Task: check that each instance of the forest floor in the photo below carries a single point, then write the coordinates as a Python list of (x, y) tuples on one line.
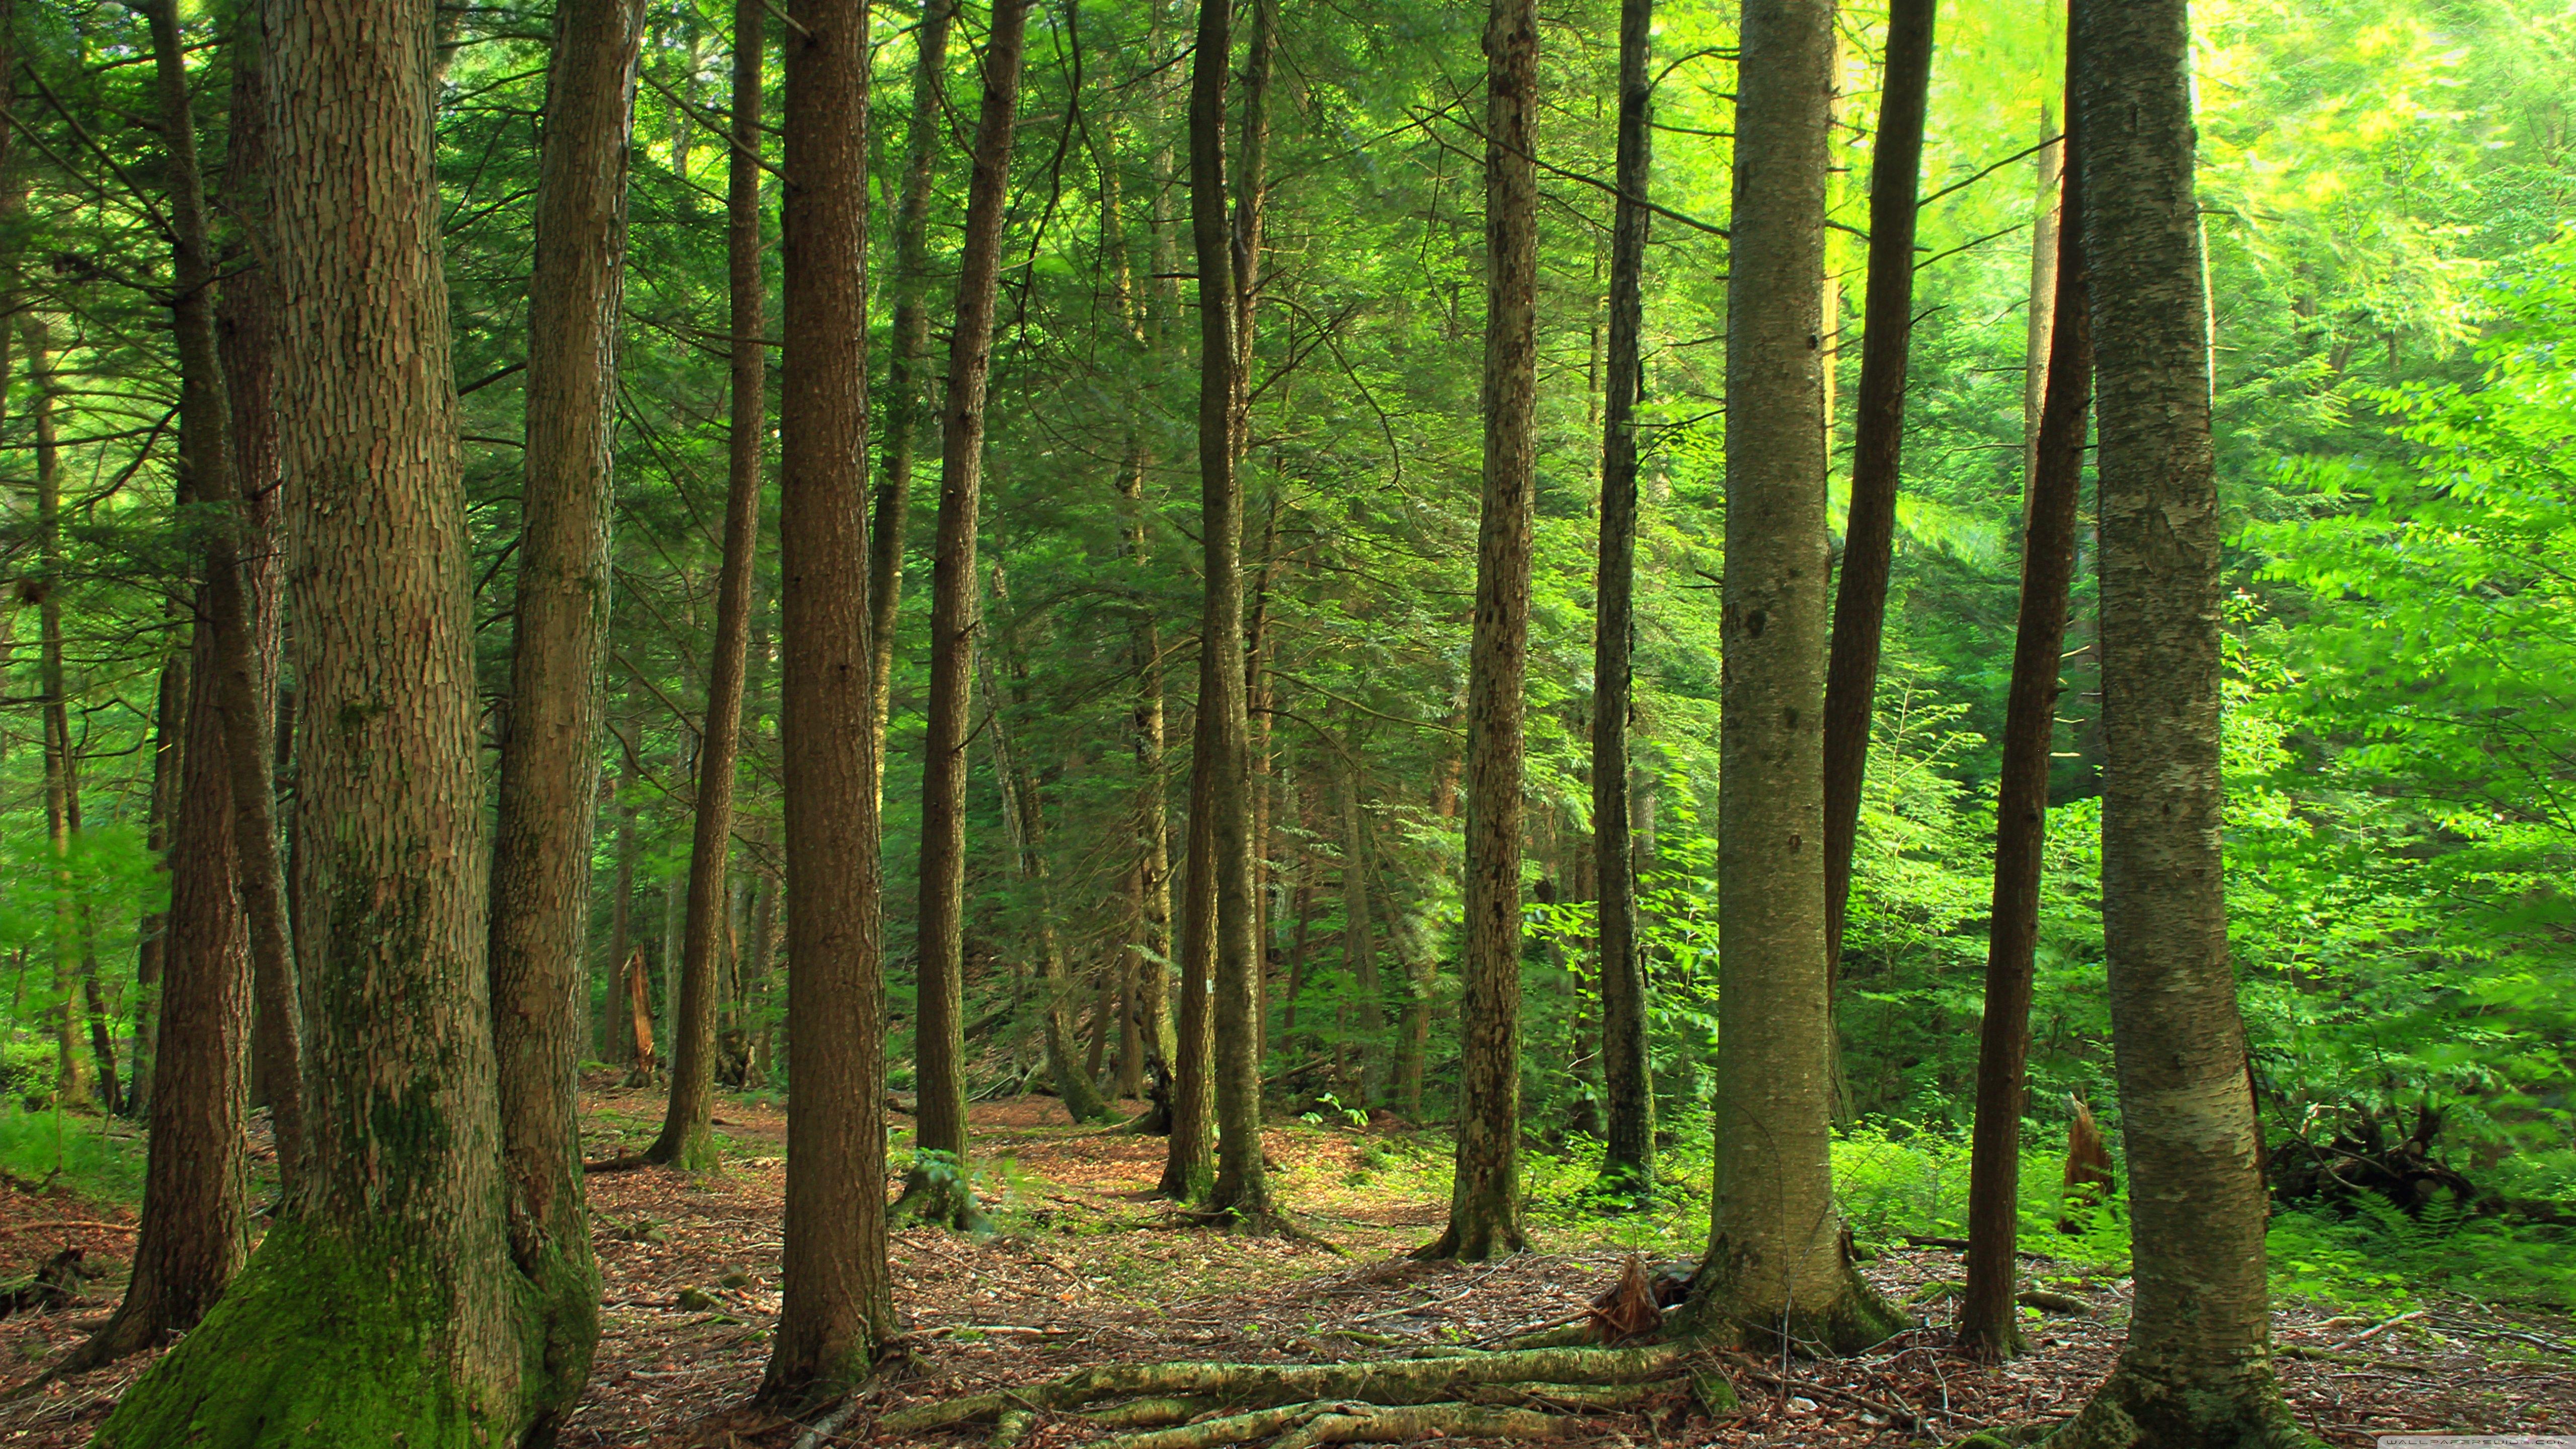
[(1087, 1268)]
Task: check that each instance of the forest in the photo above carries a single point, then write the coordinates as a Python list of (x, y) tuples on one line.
[(1175, 723)]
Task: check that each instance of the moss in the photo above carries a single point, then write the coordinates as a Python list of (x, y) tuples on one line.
[(563, 1285), (2218, 1410), (323, 1342), (1856, 1319)]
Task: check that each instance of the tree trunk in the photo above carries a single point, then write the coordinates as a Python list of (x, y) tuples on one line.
[(1869, 535), (1628, 1147), (1989, 1318), (2197, 1367), (837, 1306), (940, 1031), (1220, 782), (618, 1041), (1189, 1159), (2039, 336), (549, 772), (71, 1071), (907, 377), (687, 1138), (152, 951), (405, 1186), (1484, 1202), (1776, 1261), (247, 345), (1357, 948)]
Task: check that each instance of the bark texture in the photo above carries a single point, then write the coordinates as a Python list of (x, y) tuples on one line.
[(1628, 1142), (687, 1137), (383, 1307), (2196, 1372), (1484, 1202), (1776, 1262), (837, 1306), (1989, 1318)]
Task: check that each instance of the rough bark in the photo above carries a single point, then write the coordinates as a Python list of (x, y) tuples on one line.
[(1989, 1320), (1484, 1203), (383, 1307), (1220, 788), (907, 378), (2197, 1367), (1189, 1158), (837, 1304), (687, 1137), (953, 623), (1869, 534), (2040, 330), (1628, 1144), (1776, 1261)]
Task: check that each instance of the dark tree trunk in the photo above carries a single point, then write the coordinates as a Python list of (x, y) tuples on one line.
[(1484, 1202), (71, 1071), (1989, 1319), (1628, 1147), (152, 952), (941, 1073), (1776, 1259), (687, 1138), (405, 1183), (907, 376), (1189, 1159), (837, 1306), (1358, 950), (617, 1038), (2197, 1368), (1869, 535)]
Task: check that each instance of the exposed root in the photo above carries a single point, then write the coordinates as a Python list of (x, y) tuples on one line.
[(1013, 1426), (1256, 1223), (1150, 1413), (1396, 1383), (1373, 1425)]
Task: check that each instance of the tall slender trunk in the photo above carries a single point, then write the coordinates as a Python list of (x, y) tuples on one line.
[(405, 1183), (2039, 335), (1989, 1319), (838, 1306), (687, 1137), (1869, 535), (247, 343), (1484, 1202), (1189, 1159), (953, 623), (152, 944), (1221, 773), (102, 1014), (195, 1232), (1628, 1145), (2197, 1367), (1776, 1260), (615, 1016), (907, 377), (1358, 950), (71, 1071)]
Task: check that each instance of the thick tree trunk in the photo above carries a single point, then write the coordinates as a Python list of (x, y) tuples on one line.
[(1989, 1318), (382, 1306), (1484, 1202), (687, 1137), (837, 1306), (2197, 1368), (907, 378), (1776, 1259), (549, 773), (941, 1075), (247, 343), (1220, 788), (1869, 535), (1628, 1146)]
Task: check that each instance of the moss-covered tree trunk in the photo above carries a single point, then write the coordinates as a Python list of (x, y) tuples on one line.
[(1776, 1261), (2196, 1372), (1628, 1143), (837, 1306), (687, 1138), (382, 1307), (1989, 1316), (1484, 1202)]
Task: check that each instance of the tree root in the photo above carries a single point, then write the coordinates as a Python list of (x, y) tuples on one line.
[(1534, 1375), (1424, 1421)]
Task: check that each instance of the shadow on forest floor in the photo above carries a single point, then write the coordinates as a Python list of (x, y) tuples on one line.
[(1086, 1268)]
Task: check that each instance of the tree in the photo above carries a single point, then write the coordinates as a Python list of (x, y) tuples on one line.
[(1484, 1202), (1628, 1140), (2197, 1366), (1776, 1259), (687, 1139), (384, 1304), (1869, 535), (837, 1305), (1989, 1319)]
